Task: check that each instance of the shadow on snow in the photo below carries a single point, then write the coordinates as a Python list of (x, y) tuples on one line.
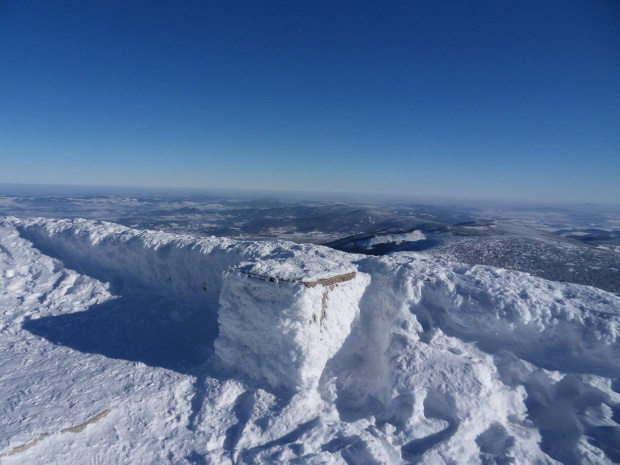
[(136, 327)]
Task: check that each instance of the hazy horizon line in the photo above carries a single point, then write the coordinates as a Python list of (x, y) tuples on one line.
[(51, 189)]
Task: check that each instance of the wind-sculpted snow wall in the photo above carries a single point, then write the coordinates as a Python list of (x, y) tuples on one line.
[(283, 309), (181, 266)]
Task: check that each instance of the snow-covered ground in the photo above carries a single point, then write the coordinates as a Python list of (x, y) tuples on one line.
[(120, 346), (412, 236)]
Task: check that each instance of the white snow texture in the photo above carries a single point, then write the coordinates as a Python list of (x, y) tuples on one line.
[(127, 346)]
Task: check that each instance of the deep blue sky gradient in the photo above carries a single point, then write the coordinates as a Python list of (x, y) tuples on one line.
[(497, 99)]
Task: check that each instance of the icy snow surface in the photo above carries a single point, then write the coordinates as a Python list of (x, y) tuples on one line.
[(127, 346)]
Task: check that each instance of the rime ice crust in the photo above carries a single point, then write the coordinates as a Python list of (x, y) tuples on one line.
[(307, 264), (284, 332)]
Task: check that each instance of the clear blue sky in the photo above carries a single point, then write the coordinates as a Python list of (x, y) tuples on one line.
[(499, 99)]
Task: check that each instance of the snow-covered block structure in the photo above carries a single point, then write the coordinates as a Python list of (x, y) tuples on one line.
[(283, 309), (281, 320)]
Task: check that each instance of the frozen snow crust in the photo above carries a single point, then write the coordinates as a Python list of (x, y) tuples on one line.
[(408, 359)]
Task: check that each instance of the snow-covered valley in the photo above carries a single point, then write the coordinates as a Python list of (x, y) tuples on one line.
[(132, 346)]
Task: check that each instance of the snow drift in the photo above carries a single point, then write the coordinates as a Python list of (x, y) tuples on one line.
[(321, 356)]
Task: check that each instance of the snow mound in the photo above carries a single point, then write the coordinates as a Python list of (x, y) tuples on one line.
[(558, 326)]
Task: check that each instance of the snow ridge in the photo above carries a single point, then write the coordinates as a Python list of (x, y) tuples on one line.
[(190, 268)]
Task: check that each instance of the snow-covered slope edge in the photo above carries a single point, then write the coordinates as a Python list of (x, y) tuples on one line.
[(445, 363)]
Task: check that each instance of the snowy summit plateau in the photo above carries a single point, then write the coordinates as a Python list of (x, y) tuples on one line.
[(125, 345)]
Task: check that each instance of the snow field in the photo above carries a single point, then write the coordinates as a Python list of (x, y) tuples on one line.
[(414, 363), (423, 360)]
